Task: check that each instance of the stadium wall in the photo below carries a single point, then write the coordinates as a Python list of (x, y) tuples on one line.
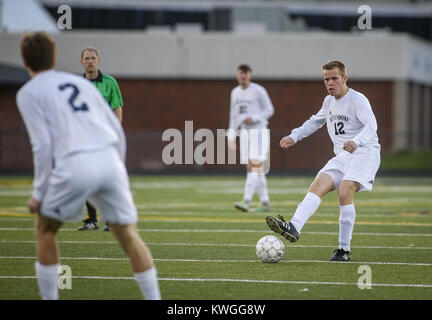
[(152, 106), (169, 79)]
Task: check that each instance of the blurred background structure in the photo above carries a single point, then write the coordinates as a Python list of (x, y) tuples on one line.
[(175, 61)]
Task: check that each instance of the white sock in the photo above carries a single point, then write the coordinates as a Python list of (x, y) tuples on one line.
[(262, 189), (305, 210), (47, 277), (148, 284), (250, 186), (346, 226)]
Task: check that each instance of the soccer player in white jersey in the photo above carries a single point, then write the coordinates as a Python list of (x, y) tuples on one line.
[(250, 109), (79, 151), (352, 127)]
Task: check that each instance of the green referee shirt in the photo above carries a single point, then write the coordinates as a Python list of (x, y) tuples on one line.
[(109, 89)]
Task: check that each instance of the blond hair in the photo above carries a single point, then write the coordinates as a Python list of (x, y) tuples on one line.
[(335, 64)]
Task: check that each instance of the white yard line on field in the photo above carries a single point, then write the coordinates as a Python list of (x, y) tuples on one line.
[(152, 215), (247, 231), (232, 261), (217, 244), (229, 189)]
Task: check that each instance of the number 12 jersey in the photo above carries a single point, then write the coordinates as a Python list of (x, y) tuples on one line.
[(349, 118)]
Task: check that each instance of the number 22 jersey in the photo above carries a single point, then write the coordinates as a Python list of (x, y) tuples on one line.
[(252, 102)]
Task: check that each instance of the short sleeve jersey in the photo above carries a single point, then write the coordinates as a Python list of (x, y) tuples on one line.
[(109, 88)]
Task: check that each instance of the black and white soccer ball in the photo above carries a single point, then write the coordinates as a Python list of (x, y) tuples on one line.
[(270, 249)]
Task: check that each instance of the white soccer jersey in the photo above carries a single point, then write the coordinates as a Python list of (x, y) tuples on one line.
[(348, 118), (252, 102), (65, 114)]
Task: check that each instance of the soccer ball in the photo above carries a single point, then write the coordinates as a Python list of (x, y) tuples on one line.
[(270, 249)]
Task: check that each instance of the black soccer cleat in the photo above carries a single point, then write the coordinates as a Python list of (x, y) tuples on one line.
[(286, 229), (89, 225), (341, 255)]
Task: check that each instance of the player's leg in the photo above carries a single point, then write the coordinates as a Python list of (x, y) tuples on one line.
[(63, 201), (322, 184), (347, 190), (47, 253), (361, 169), (251, 181), (327, 179), (141, 259), (249, 190), (260, 159), (254, 150), (261, 184), (115, 203), (91, 212)]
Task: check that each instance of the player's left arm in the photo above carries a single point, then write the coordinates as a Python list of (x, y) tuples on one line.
[(40, 140), (267, 109), (233, 124), (116, 125), (366, 116)]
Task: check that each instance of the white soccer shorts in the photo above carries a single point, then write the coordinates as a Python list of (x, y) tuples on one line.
[(98, 176), (360, 166), (254, 145)]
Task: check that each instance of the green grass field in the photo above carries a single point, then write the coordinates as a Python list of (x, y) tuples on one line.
[(204, 249)]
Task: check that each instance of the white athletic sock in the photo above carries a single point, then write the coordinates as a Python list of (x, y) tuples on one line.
[(148, 284), (262, 189), (47, 277), (250, 186), (346, 226), (305, 210)]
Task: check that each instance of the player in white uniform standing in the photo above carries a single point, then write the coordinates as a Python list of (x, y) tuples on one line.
[(250, 109), (79, 151), (352, 127)]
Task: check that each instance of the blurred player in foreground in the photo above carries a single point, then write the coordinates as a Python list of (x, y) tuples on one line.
[(79, 151), (352, 127), (110, 90), (250, 109)]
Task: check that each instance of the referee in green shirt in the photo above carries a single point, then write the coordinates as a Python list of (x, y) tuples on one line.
[(110, 90)]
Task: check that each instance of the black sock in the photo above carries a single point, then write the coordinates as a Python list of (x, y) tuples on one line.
[(91, 212)]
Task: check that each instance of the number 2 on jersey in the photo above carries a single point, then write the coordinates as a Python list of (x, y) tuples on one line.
[(74, 95), (339, 128)]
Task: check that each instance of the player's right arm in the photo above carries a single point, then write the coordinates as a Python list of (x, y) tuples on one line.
[(40, 139), (306, 129)]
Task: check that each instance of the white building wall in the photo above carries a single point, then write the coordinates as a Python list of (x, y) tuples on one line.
[(216, 55)]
